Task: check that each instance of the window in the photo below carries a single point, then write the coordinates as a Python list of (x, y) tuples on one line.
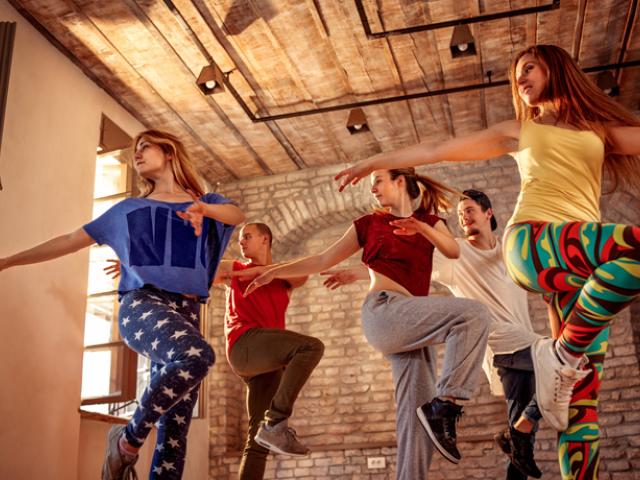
[(110, 368), (7, 37)]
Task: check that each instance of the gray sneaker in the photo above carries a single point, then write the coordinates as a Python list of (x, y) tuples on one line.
[(279, 438), (115, 466)]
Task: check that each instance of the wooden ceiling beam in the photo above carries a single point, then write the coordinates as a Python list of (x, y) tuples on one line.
[(143, 16)]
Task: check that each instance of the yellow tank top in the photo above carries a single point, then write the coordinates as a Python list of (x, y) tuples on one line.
[(560, 174)]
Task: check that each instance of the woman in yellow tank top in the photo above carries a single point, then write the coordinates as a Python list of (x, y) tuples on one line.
[(566, 132)]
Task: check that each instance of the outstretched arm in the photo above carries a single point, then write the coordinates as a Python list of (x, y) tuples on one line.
[(223, 273), (225, 213), (626, 140), (253, 272), (54, 248), (346, 246), (297, 282), (439, 235), (492, 142), (337, 277)]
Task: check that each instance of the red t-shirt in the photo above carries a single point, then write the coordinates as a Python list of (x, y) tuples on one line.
[(405, 259), (264, 308)]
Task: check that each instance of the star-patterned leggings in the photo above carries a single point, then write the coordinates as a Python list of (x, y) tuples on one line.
[(164, 327)]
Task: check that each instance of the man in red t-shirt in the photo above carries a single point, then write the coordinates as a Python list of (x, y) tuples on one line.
[(273, 362)]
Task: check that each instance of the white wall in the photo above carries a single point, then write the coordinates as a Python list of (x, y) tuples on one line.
[(47, 166)]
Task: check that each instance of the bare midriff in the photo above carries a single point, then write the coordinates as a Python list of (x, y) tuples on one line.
[(382, 282)]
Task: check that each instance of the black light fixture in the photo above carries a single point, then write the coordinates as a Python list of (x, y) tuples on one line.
[(357, 121), (607, 83), (462, 42), (211, 80)]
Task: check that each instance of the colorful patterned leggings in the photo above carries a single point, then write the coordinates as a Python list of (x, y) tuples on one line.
[(587, 272)]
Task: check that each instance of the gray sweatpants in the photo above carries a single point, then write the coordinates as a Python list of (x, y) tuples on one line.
[(404, 329)]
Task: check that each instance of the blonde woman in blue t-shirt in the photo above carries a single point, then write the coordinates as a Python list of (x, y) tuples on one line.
[(565, 133), (169, 242)]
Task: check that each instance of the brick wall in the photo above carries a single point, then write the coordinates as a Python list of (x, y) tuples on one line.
[(346, 411)]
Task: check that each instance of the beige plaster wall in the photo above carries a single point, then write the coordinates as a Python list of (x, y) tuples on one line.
[(47, 166)]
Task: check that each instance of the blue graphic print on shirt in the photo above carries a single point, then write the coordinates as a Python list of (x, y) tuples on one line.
[(156, 247)]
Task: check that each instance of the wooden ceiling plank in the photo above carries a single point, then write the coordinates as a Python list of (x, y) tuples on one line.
[(138, 43), (310, 140), (633, 47), (629, 82), (258, 57), (318, 67), (257, 137), (196, 21), (281, 128), (369, 67), (557, 27), (142, 15), (604, 26), (119, 78), (464, 115)]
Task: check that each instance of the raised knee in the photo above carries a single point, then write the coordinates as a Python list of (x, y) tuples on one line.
[(479, 314), (200, 359), (317, 346)]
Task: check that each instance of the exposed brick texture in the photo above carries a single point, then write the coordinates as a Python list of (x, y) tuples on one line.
[(346, 411)]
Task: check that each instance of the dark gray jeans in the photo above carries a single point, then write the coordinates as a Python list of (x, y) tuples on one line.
[(519, 383)]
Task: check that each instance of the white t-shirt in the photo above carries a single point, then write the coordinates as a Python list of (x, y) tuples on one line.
[(481, 275)]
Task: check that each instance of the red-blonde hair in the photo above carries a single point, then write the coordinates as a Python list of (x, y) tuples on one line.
[(580, 103), (183, 170)]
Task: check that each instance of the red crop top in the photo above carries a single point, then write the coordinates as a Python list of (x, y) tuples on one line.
[(405, 259)]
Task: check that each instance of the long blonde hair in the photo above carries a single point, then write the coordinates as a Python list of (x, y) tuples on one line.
[(434, 194), (183, 170), (580, 103)]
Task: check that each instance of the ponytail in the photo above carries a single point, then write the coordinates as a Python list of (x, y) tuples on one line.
[(435, 195)]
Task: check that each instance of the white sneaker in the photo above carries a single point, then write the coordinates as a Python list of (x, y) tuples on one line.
[(554, 383)]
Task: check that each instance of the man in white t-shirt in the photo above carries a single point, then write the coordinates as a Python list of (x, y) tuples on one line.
[(479, 273)]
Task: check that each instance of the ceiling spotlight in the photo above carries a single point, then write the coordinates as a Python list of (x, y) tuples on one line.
[(211, 80), (462, 42), (357, 121), (607, 83)]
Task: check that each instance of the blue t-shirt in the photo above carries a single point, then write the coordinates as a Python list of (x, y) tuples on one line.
[(157, 247)]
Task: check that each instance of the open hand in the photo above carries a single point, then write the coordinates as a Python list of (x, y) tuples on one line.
[(407, 226), (194, 213), (353, 174), (259, 281), (339, 277), (112, 270)]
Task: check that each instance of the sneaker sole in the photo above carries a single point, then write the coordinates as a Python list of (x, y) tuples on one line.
[(432, 437), (554, 422), (277, 450)]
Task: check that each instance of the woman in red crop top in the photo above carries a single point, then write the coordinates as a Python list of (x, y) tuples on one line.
[(401, 320), (566, 132)]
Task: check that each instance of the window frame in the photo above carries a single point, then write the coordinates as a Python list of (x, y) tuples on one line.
[(127, 361)]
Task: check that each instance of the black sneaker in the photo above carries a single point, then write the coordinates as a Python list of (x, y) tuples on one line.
[(518, 446), (502, 440), (439, 419)]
